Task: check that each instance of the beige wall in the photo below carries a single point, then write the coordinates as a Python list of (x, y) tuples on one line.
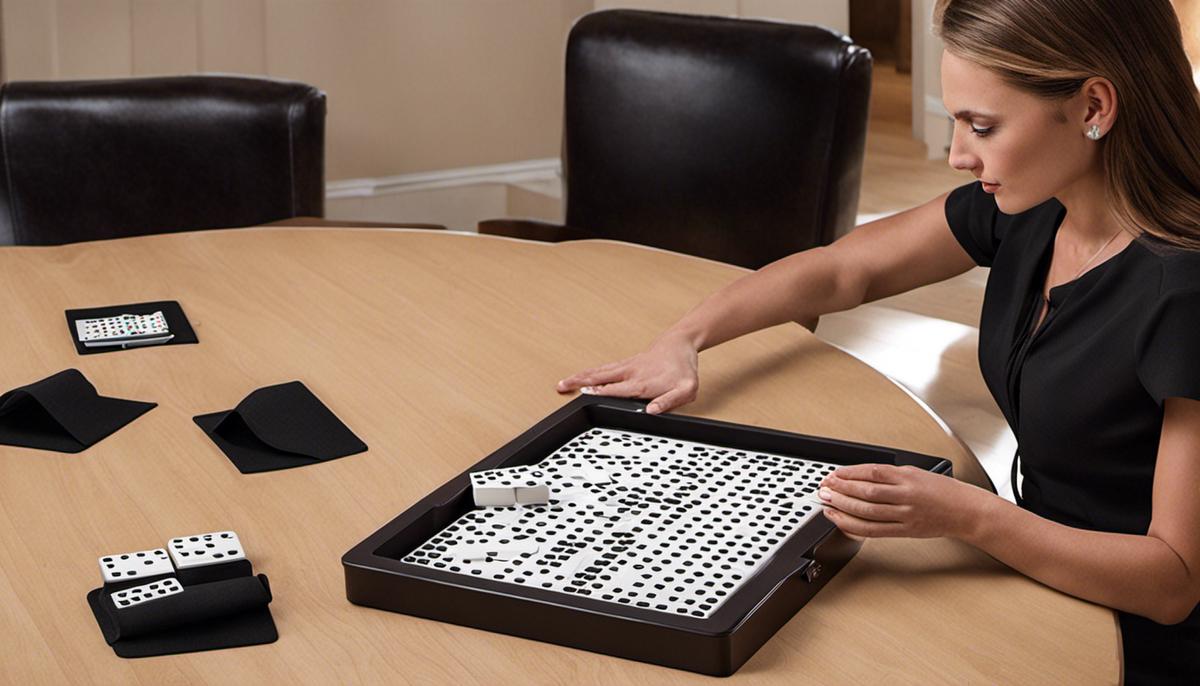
[(832, 13), (413, 85)]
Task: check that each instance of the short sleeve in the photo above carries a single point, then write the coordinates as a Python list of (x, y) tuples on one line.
[(1168, 348), (972, 213)]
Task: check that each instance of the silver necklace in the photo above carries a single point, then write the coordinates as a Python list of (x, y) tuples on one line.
[(1046, 293)]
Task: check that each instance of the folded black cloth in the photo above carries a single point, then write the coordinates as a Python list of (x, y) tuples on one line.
[(177, 323), (279, 427), (209, 616), (63, 412)]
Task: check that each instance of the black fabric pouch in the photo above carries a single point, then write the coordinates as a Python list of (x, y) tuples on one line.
[(229, 613), (177, 323), (63, 413), (279, 427)]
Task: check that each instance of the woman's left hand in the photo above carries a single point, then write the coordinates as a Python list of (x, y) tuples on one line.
[(877, 500)]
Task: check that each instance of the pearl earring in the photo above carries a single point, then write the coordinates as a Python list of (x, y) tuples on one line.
[(1094, 132)]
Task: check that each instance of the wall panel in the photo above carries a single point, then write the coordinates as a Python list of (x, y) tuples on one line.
[(29, 40), (728, 8), (164, 35), (428, 85), (834, 14), (233, 36), (94, 38)]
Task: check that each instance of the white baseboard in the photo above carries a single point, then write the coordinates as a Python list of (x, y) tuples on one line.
[(375, 199), (509, 173), (455, 198)]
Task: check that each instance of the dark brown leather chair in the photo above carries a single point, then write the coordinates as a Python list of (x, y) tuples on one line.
[(740, 141), (87, 160)]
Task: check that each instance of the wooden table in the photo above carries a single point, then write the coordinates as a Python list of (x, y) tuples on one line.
[(436, 348)]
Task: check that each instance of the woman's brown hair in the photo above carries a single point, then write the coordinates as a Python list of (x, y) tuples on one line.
[(1051, 47)]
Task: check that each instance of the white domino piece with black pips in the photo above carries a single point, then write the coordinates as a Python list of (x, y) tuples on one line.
[(138, 565), (145, 593), (499, 551), (510, 486), (202, 550)]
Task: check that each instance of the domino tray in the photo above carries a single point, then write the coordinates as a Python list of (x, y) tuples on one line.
[(695, 543)]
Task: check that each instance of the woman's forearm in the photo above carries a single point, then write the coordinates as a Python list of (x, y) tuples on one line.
[(880, 258), (797, 288), (1141, 575)]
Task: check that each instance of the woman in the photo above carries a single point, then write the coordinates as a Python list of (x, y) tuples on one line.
[(1080, 120)]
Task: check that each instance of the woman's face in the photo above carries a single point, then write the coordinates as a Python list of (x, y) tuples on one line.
[(1025, 149)]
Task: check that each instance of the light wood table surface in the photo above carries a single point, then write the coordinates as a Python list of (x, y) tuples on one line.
[(436, 348)]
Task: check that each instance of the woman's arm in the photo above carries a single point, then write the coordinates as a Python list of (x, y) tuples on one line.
[(1156, 576), (885, 257), (878, 259)]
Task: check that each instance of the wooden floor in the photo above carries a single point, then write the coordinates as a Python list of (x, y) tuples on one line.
[(925, 340)]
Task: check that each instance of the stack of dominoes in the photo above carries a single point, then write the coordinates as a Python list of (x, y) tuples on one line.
[(158, 567), (564, 479), (124, 330)]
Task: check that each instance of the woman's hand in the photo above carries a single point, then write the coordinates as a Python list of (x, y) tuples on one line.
[(667, 373), (877, 500)]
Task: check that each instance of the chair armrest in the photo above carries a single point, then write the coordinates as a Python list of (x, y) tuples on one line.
[(532, 229), (321, 221)]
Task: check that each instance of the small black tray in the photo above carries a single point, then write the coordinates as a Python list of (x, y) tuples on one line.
[(716, 645)]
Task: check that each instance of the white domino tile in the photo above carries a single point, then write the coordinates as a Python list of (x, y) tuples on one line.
[(137, 565), (510, 486), (146, 593), (201, 550), (633, 519)]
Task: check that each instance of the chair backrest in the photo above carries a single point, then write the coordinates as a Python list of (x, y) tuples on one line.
[(86, 160), (737, 140)]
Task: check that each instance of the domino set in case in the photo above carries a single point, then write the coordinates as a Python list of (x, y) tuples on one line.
[(124, 330), (674, 540), (112, 328)]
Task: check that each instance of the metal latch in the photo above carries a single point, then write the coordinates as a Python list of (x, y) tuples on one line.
[(810, 569)]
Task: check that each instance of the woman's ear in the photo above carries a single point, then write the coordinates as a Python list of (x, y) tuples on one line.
[(1101, 98)]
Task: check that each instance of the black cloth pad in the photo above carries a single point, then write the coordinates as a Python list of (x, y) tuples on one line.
[(210, 616), (177, 323), (210, 573), (64, 413), (279, 427)]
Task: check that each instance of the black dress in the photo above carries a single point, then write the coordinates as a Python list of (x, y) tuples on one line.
[(1083, 394)]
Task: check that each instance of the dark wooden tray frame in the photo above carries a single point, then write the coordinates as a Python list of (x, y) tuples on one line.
[(717, 645)]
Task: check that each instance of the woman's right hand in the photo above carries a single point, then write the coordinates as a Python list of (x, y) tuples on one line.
[(667, 374)]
